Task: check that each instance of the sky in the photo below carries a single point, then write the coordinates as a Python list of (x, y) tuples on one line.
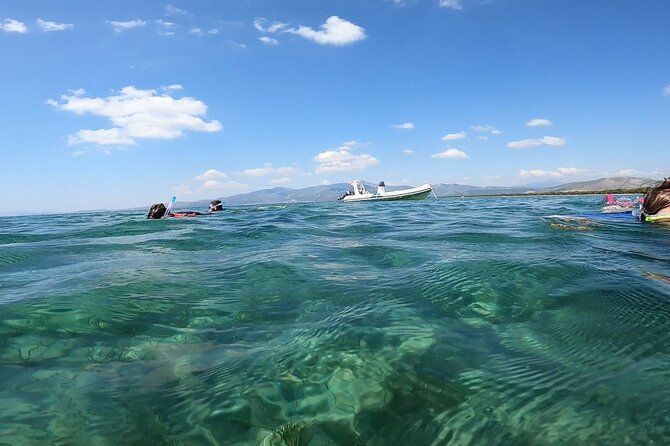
[(119, 104)]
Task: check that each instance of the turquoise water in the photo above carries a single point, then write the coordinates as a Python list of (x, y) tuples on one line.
[(458, 321)]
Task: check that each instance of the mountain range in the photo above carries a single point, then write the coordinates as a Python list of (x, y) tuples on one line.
[(332, 191)]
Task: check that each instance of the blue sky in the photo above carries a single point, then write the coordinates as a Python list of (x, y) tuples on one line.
[(127, 103)]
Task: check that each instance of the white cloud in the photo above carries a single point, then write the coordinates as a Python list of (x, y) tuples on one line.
[(483, 138), (13, 26), (666, 90), (451, 154), (408, 151), (103, 137), (552, 141), (211, 184), (404, 126), (545, 140), (454, 136), (53, 26), (269, 40), (211, 174), (259, 24), (287, 171), (342, 160), (123, 26), (197, 32), (325, 182), (137, 114), (560, 172), (165, 24), (538, 122), (269, 170), (282, 180), (347, 145), (486, 129), (236, 44), (627, 173), (222, 186), (173, 10), (335, 31), (258, 171), (451, 4), (213, 31), (165, 28), (174, 87)]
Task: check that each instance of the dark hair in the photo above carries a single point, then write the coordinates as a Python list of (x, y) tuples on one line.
[(656, 199), (156, 211), (215, 206)]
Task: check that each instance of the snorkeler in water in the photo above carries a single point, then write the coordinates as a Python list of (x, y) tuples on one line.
[(656, 203), (215, 206), (159, 210)]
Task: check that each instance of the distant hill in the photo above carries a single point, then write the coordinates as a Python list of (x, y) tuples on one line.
[(602, 184), (332, 191)]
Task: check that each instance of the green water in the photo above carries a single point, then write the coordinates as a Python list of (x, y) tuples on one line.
[(451, 322)]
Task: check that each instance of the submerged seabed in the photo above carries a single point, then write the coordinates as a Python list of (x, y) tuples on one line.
[(473, 321)]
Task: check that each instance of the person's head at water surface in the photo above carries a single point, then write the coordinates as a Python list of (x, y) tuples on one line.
[(156, 211), (215, 206), (657, 200)]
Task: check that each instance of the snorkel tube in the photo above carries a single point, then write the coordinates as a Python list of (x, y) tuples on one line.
[(169, 207)]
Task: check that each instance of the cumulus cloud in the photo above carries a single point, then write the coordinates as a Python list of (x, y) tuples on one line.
[(666, 90), (211, 174), (174, 87), (342, 160), (404, 126), (260, 25), (451, 4), (486, 129), (408, 151), (453, 136), (544, 141), (269, 40), (137, 114), (560, 172), (13, 26), (335, 31), (123, 26), (53, 26), (538, 122), (451, 154)]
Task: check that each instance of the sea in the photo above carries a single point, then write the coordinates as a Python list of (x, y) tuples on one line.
[(458, 321)]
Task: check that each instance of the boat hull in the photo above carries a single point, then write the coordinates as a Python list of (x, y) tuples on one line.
[(418, 193)]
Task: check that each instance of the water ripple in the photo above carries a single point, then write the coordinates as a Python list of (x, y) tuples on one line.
[(450, 322)]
